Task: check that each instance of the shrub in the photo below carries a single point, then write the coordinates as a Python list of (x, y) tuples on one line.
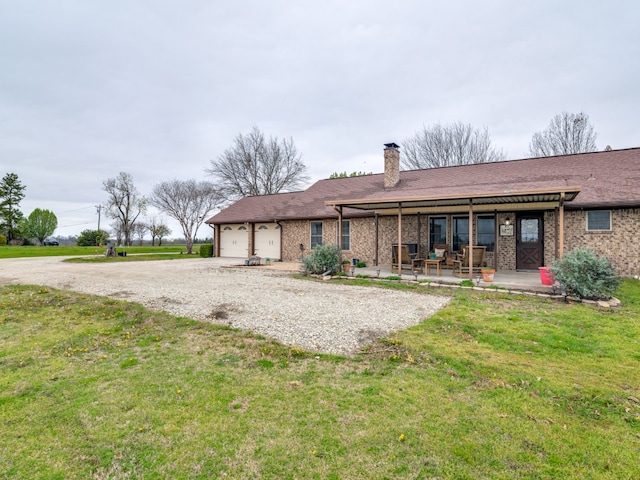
[(3, 239), (323, 258), (206, 250), (586, 275), (361, 264), (92, 238)]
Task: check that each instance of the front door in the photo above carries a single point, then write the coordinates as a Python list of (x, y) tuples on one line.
[(529, 241)]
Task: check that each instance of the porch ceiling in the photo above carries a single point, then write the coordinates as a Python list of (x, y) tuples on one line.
[(502, 199)]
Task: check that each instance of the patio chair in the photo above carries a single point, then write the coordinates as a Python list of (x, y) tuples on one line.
[(409, 260), (451, 256), (441, 251), (461, 263)]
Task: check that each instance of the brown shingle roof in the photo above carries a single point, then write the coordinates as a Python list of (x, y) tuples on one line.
[(605, 179)]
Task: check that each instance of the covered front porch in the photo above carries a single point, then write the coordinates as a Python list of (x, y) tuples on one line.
[(508, 248)]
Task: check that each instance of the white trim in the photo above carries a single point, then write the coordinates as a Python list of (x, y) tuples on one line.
[(311, 246), (350, 237), (596, 230)]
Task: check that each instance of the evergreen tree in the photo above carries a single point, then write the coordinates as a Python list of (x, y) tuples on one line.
[(11, 194)]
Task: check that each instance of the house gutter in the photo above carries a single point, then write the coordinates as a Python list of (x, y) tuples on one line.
[(213, 238), (279, 223)]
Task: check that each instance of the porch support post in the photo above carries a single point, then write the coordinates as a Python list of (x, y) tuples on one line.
[(471, 239), (418, 252), (561, 226), (339, 242), (496, 236), (375, 221), (556, 231), (399, 239)]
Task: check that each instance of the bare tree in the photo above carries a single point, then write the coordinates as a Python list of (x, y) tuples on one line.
[(187, 201), (140, 229), (158, 229), (116, 229), (448, 145), (124, 204), (567, 133), (256, 166)]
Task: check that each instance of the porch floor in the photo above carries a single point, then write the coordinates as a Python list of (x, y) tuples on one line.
[(509, 279)]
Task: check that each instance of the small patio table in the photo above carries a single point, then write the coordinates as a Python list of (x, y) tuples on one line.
[(437, 262)]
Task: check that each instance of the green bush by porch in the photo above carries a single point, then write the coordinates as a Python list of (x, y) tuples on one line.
[(323, 258), (586, 275)]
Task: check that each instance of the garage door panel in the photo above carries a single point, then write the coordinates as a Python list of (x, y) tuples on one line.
[(267, 240), (234, 241)]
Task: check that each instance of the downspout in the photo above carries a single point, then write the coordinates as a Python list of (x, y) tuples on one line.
[(279, 223), (213, 239), (252, 239), (216, 240)]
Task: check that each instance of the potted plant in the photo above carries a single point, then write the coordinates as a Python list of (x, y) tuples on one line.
[(487, 274), (346, 266)]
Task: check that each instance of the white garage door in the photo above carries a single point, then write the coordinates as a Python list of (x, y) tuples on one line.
[(234, 241), (267, 240)]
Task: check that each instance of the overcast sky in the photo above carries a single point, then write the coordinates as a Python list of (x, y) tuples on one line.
[(158, 88)]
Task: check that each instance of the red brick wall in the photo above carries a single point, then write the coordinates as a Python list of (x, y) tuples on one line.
[(620, 244)]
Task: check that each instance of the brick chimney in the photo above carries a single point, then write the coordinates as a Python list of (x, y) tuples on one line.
[(391, 165)]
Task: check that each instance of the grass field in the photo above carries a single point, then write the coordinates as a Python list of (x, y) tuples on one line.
[(39, 251), (493, 386)]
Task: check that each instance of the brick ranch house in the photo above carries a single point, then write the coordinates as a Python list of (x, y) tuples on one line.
[(525, 212)]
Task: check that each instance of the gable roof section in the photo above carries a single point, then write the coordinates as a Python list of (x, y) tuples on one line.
[(590, 180), (308, 204), (602, 179)]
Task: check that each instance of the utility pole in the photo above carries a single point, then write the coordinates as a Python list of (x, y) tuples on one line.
[(99, 209)]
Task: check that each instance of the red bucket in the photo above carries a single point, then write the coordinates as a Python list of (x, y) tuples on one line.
[(546, 276)]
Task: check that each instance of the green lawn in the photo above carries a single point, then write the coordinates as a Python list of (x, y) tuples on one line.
[(40, 251), (493, 386)]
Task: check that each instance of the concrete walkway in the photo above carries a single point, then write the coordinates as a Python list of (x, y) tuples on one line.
[(527, 281)]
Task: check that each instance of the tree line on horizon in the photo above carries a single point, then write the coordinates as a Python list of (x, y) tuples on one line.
[(256, 165)]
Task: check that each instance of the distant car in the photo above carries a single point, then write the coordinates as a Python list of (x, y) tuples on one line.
[(51, 242)]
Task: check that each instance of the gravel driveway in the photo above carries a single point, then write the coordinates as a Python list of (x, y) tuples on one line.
[(316, 316)]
